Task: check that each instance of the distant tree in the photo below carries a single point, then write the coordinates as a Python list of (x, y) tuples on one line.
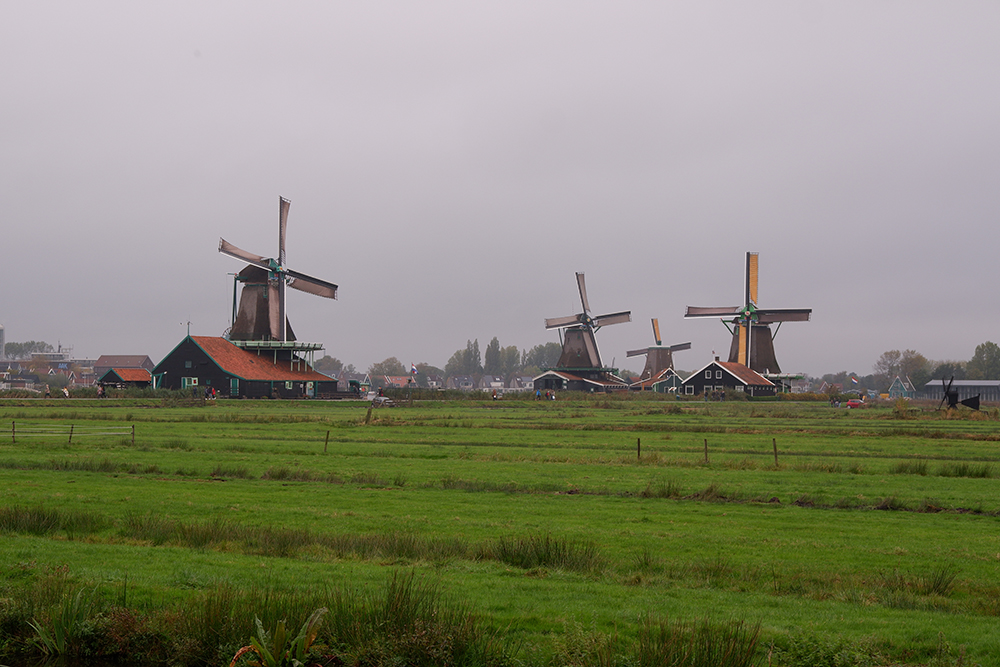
[(492, 363), (542, 356), (25, 349), (510, 360), (985, 363), (390, 366), (949, 369), (915, 366), (887, 368), (329, 365), (465, 362), (349, 368), (424, 368)]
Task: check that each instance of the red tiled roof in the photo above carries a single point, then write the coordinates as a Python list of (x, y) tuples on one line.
[(132, 374), (249, 366), (744, 374)]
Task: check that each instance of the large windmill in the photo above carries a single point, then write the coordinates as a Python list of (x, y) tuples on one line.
[(753, 340), (579, 347), (261, 313), (659, 357)]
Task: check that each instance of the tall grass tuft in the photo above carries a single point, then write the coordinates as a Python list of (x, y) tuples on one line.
[(939, 581), (39, 520), (661, 488), (965, 469), (410, 622), (544, 551), (909, 468), (66, 628), (698, 643)]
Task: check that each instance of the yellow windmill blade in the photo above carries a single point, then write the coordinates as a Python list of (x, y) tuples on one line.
[(752, 278), (742, 355), (656, 332)]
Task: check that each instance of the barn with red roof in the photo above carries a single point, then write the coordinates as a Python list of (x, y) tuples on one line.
[(201, 363)]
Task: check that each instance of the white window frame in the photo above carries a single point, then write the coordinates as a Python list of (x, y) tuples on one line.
[(689, 390), (718, 375), (708, 374)]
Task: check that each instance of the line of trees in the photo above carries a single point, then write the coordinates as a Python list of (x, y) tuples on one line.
[(26, 349), (984, 365)]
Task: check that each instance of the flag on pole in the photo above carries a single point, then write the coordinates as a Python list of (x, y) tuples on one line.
[(413, 368), (854, 380)]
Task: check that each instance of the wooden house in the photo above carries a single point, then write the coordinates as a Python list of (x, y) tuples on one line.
[(720, 376), (901, 388), (202, 362)]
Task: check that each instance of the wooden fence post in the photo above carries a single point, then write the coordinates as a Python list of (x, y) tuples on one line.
[(71, 434), (327, 443), (638, 449), (13, 433), (133, 435), (706, 451), (774, 441)]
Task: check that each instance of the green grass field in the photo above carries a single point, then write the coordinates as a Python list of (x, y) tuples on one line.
[(873, 540)]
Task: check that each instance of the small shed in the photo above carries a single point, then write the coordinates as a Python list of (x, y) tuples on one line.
[(126, 377)]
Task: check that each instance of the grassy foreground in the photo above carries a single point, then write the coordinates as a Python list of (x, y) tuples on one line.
[(575, 532)]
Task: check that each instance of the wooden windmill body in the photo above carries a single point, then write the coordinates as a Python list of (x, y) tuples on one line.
[(753, 340)]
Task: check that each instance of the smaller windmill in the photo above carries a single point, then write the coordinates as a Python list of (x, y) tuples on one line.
[(753, 340), (659, 357), (579, 346), (951, 395), (261, 313)]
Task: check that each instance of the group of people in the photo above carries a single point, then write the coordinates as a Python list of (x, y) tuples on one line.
[(549, 395), (48, 392)]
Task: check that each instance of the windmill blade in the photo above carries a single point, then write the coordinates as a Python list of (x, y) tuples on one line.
[(784, 315), (944, 392), (696, 311), (752, 278), (561, 322), (304, 283), (583, 292), (591, 345), (274, 310), (283, 206), (656, 332), (636, 353), (972, 402), (613, 318), (227, 248), (679, 347)]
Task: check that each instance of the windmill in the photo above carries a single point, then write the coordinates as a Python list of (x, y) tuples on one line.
[(659, 357), (261, 313), (753, 340), (579, 347), (951, 395)]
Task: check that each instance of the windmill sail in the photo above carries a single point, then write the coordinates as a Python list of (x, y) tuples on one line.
[(261, 314)]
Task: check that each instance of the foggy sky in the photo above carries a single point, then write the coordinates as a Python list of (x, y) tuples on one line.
[(451, 165)]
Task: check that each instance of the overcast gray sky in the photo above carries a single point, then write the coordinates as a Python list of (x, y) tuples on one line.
[(452, 164)]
